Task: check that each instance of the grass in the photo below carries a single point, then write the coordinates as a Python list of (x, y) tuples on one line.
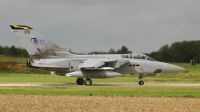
[(34, 78), (38, 78), (15, 67), (96, 90), (13, 59), (130, 91), (12, 71)]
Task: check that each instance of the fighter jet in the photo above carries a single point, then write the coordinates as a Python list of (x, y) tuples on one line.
[(45, 54)]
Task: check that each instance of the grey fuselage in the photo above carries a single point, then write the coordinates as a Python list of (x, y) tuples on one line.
[(121, 63)]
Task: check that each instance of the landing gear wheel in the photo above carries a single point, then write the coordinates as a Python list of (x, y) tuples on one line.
[(79, 81), (88, 82), (141, 82)]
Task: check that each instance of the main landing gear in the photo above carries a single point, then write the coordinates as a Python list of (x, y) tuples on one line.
[(28, 64), (141, 82), (80, 81), (88, 81)]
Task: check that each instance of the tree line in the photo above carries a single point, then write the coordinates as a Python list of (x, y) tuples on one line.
[(13, 51), (183, 51), (176, 52), (123, 50)]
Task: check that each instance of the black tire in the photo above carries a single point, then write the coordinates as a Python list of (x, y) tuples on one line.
[(79, 81), (88, 82), (141, 82)]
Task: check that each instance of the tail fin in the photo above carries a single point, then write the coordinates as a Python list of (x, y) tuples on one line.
[(34, 43)]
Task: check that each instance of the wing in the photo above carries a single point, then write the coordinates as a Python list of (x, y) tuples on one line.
[(96, 64), (98, 68)]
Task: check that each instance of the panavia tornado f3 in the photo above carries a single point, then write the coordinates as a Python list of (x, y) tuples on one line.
[(45, 54)]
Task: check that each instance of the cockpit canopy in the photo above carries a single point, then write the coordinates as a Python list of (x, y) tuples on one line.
[(138, 56)]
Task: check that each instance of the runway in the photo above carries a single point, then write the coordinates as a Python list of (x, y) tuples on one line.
[(99, 84)]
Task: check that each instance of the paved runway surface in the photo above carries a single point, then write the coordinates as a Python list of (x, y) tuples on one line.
[(99, 84)]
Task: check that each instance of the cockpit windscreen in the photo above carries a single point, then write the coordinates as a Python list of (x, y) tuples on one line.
[(138, 56)]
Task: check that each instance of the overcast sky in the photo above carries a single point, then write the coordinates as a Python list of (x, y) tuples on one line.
[(88, 25)]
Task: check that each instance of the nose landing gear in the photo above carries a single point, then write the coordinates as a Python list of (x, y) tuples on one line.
[(141, 82)]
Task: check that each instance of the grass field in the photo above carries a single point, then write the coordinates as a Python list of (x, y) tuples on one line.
[(128, 91), (39, 78), (103, 95), (16, 72), (13, 59)]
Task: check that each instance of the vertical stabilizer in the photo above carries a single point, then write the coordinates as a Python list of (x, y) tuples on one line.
[(34, 43)]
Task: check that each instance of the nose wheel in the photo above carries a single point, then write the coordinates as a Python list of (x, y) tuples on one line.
[(141, 82)]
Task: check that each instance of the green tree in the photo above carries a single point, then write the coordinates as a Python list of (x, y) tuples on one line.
[(97, 52), (178, 52), (13, 51), (164, 53), (0, 50), (111, 51), (123, 50)]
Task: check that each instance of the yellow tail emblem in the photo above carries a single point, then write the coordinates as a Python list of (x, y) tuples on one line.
[(20, 27)]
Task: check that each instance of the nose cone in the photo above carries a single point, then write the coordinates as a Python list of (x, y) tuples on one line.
[(173, 69)]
